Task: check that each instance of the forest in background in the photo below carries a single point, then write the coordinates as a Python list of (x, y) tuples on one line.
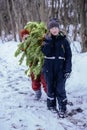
[(14, 14)]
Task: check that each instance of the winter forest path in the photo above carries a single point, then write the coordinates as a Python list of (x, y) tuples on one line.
[(18, 110)]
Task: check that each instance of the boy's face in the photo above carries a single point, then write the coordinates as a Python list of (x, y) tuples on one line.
[(54, 31)]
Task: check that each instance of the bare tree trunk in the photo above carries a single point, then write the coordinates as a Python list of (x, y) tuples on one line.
[(11, 20), (53, 12), (75, 22), (43, 13), (38, 4), (15, 18), (84, 24)]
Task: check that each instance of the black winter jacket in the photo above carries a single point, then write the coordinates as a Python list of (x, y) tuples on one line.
[(57, 51)]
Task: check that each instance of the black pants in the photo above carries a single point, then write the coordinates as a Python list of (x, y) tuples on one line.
[(56, 90)]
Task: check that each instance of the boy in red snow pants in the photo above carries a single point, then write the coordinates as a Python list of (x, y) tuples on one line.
[(36, 83)]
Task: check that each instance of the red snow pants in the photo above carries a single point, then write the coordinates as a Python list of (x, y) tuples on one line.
[(36, 83)]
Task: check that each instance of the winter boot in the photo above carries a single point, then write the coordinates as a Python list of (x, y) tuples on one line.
[(38, 94), (62, 112), (51, 105), (63, 109), (53, 109)]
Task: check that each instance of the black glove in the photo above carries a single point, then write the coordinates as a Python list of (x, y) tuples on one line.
[(67, 75)]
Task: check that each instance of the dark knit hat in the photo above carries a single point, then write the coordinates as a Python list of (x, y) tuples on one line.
[(53, 23)]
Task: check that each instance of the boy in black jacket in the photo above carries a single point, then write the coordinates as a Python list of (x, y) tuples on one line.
[(57, 66)]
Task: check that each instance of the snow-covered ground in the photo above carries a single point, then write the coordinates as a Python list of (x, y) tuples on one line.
[(19, 110)]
